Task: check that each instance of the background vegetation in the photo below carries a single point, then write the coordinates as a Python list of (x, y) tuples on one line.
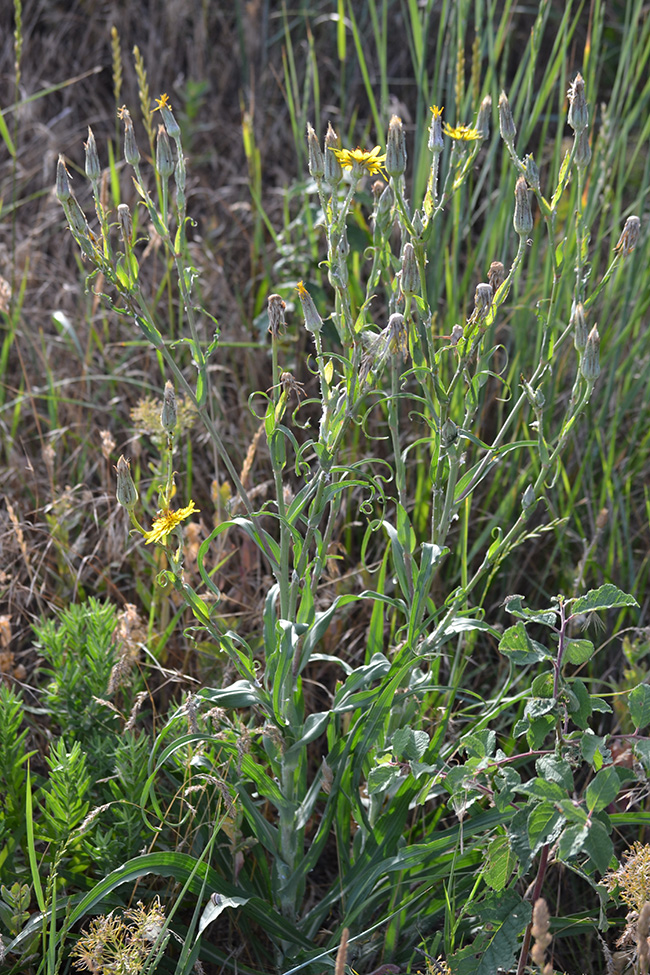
[(135, 764)]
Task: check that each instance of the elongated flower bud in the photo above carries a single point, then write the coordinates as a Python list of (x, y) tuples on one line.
[(582, 155), (126, 492), (171, 125), (333, 174), (436, 142), (126, 224), (313, 321), (590, 362), (316, 162), (63, 188), (523, 217), (507, 125), (164, 157), (395, 163), (532, 172), (93, 167), (578, 117), (131, 151), (580, 330), (169, 412), (483, 118), (384, 212), (410, 276), (448, 433)]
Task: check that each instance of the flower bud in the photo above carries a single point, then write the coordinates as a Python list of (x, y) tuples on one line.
[(528, 497), (582, 154), (316, 163), (590, 362), (171, 125), (448, 433), (578, 117), (63, 189), (164, 157), (483, 118), (580, 331), (418, 223), (532, 172), (126, 224), (333, 174), (507, 125), (76, 218), (540, 399), (496, 275), (93, 167), (313, 321), (436, 142), (395, 163), (629, 237), (384, 212), (131, 151), (169, 412), (126, 491), (410, 279), (276, 308), (523, 217)]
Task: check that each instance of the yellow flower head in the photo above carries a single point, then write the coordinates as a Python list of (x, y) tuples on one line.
[(166, 521), (162, 102), (461, 133), (437, 112), (371, 160)]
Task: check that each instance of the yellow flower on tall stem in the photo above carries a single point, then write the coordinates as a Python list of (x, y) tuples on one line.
[(166, 521), (461, 133)]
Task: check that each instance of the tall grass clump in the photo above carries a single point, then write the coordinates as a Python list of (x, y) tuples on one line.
[(386, 762)]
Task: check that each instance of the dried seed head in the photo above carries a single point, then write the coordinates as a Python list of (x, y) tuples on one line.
[(580, 330), (410, 279), (126, 492), (578, 117), (507, 125), (333, 174), (131, 151), (456, 334), (316, 162), (629, 237), (126, 224), (93, 167), (496, 275), (483, 299), (395, 163), (522, 220), (582, 154), (436, 142), (313, 321), (63, 188), (164, 157), (540, 932), (169, 412), (483, 118), (276, 308), (590, 362)]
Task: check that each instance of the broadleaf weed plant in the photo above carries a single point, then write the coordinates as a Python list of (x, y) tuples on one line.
[(372, 781)]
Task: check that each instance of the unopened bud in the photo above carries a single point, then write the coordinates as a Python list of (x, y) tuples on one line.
[(171, 125), (126, 224), (483, 118), (436, 142), (316, 163), (418, 223), (532, 172), (126, 491), (169, 412), (582, 154), (395, 163), (528, 497), (578, 117), (63, 188), (384, 213), (76, 218), (276, 308), (507, 125), (629, 237), (448, 433), (590, 362), (496, 275), (580, 330), (313, 321), (93, 167), (410, 279), (333, 174), (131, 151), (523, 217), (164, 157), (540, 399)]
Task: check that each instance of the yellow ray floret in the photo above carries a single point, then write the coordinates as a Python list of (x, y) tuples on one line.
[(372, 160), (162, 102), (462, 133), (166, 521)]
